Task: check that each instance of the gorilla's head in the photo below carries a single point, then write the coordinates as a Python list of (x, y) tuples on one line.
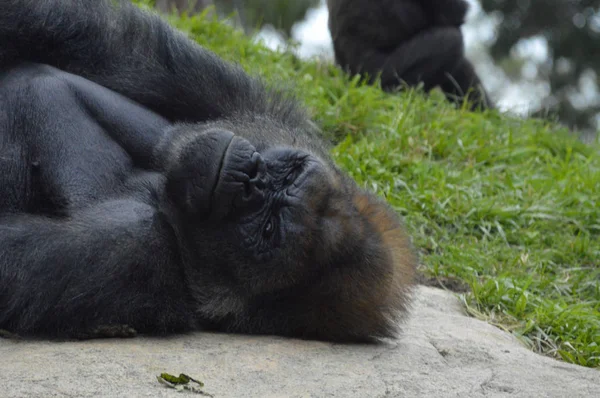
[(279, 241)]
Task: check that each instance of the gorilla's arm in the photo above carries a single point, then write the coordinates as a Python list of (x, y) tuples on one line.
[(54, 95), (88, 240), (108, 265), (143, 134), (134, 53)]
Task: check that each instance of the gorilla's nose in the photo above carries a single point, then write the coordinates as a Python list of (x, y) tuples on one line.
[(241, 181)]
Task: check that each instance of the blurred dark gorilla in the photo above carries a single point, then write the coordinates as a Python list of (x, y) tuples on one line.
[(407, 42), (147, 186)]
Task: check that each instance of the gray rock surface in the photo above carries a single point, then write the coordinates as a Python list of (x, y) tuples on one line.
[(443, 353)]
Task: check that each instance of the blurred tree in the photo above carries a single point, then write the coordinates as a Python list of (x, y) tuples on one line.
[(571, 29)]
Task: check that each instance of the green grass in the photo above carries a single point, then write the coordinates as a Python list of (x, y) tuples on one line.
[(507, 207)]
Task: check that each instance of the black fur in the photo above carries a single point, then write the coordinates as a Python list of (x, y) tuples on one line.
[(146, 185), (406, 42)]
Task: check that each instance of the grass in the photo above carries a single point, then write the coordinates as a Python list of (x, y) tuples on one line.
[(509, 208)]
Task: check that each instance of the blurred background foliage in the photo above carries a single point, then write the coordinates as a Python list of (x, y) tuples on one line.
[(570, 31)]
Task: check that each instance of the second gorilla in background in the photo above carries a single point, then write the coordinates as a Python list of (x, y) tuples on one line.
[(406, 41)]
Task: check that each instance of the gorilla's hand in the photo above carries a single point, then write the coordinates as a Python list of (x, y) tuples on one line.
[(214, 172)]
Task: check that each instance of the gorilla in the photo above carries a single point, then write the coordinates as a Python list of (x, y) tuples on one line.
[(148, 186), (406, 42)]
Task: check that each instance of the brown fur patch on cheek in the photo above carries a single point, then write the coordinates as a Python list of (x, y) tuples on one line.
[(394, 238), (340, 229), (366, 290), (376, 213), (404, 259)]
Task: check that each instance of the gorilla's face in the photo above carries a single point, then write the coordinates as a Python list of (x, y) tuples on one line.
[(275, 237), (282, 239), (259, 213)]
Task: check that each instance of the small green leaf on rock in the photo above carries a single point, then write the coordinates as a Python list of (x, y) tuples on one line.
[(181, 383)]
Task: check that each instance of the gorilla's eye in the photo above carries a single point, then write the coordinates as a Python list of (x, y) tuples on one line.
[(269, 228)]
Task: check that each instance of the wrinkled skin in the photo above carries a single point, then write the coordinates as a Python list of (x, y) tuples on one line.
[(146, 186), (407, 42)]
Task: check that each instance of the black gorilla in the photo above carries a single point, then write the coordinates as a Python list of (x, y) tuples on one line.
[(406, 41), (148, 186)]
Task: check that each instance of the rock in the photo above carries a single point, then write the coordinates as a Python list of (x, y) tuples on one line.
[(443, 353)]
